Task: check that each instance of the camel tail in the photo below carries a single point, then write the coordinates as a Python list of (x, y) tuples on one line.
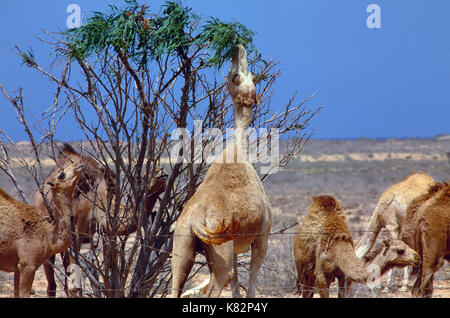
[(370, 236)]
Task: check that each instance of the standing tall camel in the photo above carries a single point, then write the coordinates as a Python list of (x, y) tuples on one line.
[(390, 212), (230, 212), (426, 229), (27, 238), (89, 204)]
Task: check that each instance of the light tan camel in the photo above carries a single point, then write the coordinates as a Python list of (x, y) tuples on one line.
[(27, 238), (230, 212), (323, 251), (427, 230), (90, 204), (390, 212)]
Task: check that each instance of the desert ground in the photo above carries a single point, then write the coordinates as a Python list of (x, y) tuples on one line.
[(356, 172)]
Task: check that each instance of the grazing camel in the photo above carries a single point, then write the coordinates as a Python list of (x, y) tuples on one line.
[(230, 212), (27, 238), (89, 204), (390, 212), (323, 251), (426, 229)]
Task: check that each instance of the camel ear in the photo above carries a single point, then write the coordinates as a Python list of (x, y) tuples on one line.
[(254, 78), (258, 99)]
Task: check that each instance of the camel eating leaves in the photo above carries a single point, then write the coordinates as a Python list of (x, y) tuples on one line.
[(230, 212)]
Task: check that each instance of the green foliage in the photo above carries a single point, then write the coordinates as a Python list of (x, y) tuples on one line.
[(27, 58), (144, 37), (223, 38), (169, 29), (120, 30)]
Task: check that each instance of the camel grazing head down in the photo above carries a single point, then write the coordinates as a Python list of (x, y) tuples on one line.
[(324, 250), (397, 253)]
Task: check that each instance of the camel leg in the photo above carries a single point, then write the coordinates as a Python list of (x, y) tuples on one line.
[(259, 249), (300, 278), (406, 274), (389, 277), (322, 285), (65, 263), (431, 261), (220, 260), (429, 265), (415, 288), (308, 286), (27, 273), (425, 288), (343, 285), (16, 283), (305, 282), (183, 257), (50, 275), (235, 288), (370, 236)]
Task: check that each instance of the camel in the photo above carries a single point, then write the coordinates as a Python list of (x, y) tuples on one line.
[(27, 237), (229, 213), (323, 251), (426, 229), (90, 202), (390, 212)]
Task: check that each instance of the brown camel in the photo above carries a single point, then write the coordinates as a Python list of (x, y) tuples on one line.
[(323, 251), (27, 238), (426, 229), (230, 212), (90, 202), (390, 212)]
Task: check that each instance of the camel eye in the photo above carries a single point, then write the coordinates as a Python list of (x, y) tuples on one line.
[(62, 176), (401, 252), (236, 79)]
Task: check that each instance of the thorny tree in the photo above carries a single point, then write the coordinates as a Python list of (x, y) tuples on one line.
[(143, 74)]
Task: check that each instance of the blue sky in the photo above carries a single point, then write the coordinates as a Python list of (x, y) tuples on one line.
[(374, 83)]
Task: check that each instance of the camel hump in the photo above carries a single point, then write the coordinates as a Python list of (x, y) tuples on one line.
[(327, 202)]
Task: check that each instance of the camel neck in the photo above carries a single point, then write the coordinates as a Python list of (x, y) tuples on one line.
[(380, 263), (60, 232), (242, 117), (353, 267)]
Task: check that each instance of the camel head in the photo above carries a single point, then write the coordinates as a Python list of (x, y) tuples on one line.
[(65, 181), (240, 83), (158, 183), (397, 253)]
